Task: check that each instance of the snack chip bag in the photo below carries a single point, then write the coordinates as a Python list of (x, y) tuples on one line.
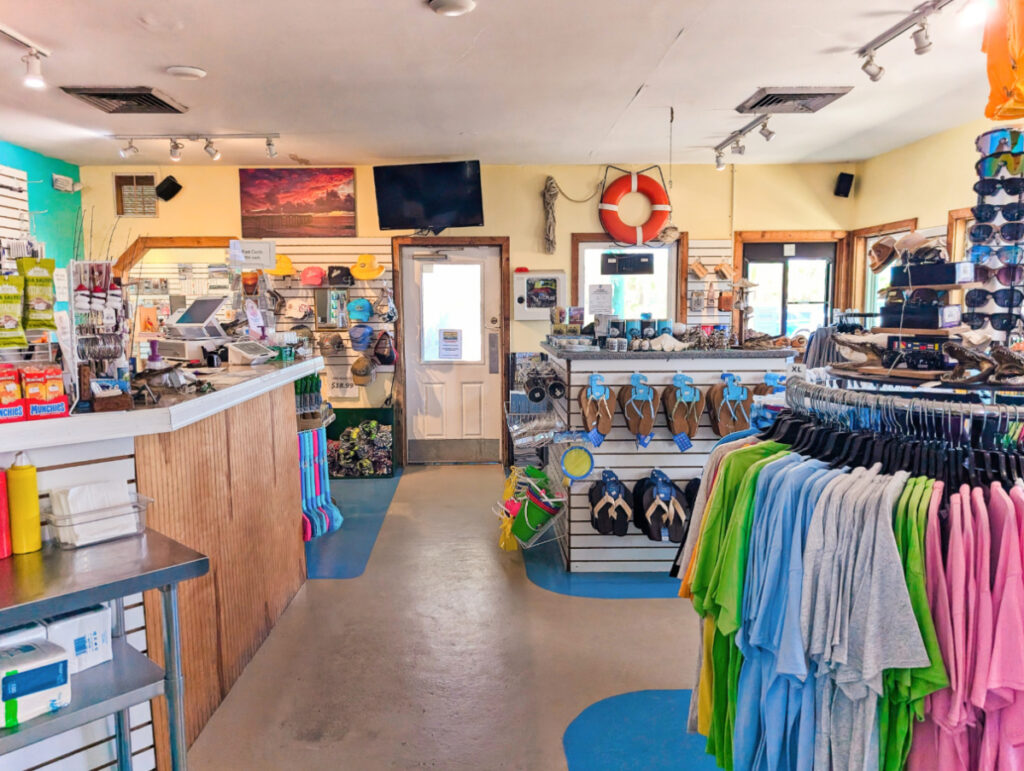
[(54, 382), (40, 295), (12, 334), (33, 382), (10, 388)]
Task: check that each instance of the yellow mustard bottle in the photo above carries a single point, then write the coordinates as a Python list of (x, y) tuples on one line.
[(23, 505)]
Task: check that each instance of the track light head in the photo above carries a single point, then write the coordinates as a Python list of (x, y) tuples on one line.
[(719, 160), (176, 148), (212, 151), (766, 132), (871, 69), (737, 148), (922, 40), (271, 150), (128, 150), (33, 70)]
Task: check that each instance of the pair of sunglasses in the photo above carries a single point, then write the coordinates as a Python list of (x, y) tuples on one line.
[(1008, 255), (1004, 298), (991, 165), (1010, 185), (926, 255), (986, 212), (1001, 322), (1004, 140), (1008, 275), (1011, 232)]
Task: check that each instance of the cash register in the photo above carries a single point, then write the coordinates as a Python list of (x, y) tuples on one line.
[(192, 331)]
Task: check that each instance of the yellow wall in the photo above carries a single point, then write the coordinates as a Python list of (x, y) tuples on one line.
[(774, 197)]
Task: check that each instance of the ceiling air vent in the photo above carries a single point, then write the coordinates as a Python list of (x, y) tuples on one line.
[(772, 101), (132, 100)]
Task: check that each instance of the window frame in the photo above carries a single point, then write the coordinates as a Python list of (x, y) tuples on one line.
[(830, 277), (859, 238), (587, 240)]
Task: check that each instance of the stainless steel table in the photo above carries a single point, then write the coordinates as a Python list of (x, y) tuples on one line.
[(51, 581)]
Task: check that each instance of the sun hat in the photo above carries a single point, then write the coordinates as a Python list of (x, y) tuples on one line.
[(360, 309), (384, 350), (366, 268), (363, 371), (883, 253), (361, 337), (283, 267), (339, 275), (312, 276)]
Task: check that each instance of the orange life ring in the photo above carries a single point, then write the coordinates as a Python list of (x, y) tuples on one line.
[(608, 209)]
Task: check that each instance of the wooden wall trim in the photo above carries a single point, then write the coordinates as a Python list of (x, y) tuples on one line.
[(134, 253), (853, 287), (682, 275), (956, 230), (427, 242)]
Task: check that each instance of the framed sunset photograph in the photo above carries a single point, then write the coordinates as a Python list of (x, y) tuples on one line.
[(298, 203)]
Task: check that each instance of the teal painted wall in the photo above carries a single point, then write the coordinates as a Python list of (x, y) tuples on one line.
[(55, 228)]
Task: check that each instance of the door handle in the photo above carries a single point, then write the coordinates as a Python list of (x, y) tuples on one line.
[(493, 353)]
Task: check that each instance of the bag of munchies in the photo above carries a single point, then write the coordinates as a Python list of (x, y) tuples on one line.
[(12, 296), (40, 295), (10, 388)]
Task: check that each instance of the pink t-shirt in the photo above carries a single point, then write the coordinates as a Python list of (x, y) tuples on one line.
[(983, 608), (956, 581), (968, 714)]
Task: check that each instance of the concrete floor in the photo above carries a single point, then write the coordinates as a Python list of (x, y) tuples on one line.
[(441, 655)]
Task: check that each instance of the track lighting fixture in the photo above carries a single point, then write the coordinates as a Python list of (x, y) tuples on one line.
[(719, 160), (128, 150), (766, 132), (922, 41), (210, 150), (871, 69), (737, 148), (33, 70), (176, 148), (271, 150), (733, 143)]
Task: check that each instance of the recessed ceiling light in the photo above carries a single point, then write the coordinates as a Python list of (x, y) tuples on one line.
[(186, 72), (451, 7)]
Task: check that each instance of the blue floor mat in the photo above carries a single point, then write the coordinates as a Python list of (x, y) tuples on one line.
[(544, 566), (345, 552), (642, 730)]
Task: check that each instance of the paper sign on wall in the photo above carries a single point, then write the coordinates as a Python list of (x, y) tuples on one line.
[(449, 344), (600, 296), (60, 284), (252, 255)]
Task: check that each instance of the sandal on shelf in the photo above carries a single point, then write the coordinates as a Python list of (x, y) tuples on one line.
[(610, 510), (967, 360)]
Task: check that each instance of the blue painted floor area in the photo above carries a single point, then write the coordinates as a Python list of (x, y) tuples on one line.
[(544, 566), (345, 552), (643, 730)]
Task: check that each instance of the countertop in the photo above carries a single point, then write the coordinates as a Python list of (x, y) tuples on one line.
[(729, 353), (235, 384)]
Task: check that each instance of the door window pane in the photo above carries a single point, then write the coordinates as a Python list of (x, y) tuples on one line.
[(632, 295), (804, 317), (766, 297), (451, 297), (808, 281)]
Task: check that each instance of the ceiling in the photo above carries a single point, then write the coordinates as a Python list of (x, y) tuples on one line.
[(516, 81)]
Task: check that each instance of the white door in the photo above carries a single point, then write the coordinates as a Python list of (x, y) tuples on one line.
[(452, 314)]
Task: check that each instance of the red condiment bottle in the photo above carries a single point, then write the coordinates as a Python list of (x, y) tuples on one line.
[(5, 519)]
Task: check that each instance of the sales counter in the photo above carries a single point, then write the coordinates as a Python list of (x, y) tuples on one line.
[(583, 548), (223, 471)]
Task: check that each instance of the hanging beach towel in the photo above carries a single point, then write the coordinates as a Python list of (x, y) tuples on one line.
[(683, 404), (610, 509), (597, 409), (637, 403)]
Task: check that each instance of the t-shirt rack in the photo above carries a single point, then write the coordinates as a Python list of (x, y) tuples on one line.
[(860, 587)]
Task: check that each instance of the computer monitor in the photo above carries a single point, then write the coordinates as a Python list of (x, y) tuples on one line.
[(198, 320)]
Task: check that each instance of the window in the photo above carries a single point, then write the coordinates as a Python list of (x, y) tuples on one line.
[(876, 283), (792, 293), (135, 195), (652, 289), (440, 284)]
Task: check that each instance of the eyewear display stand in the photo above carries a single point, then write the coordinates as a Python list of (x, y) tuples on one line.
[(52, 581)]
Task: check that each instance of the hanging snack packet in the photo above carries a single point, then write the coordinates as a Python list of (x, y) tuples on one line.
[(12, 296), (10, 388), (40, 294), (33, 383)]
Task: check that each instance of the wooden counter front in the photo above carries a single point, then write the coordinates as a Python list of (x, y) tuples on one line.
[(228, 487)]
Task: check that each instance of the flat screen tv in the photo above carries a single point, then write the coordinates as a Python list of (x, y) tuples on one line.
[(429, 196)]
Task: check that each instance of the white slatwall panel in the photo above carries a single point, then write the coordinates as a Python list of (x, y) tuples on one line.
[(14, 216), (711, 254), (91, 746), (337, 251), (584, 549)]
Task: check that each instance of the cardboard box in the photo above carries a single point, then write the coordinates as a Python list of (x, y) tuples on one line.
[(84, 634)]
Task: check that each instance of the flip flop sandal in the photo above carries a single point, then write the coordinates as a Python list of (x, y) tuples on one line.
[(714, 398), (637, 403), (683, 404), (610, 511), (597, 408), (659, 503), (734, 408)]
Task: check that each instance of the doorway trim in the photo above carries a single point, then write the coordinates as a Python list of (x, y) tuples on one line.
[(428, 242)]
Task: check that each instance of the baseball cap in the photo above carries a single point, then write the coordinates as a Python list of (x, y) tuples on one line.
[(332, 344), (384, 350), (283, 267), (312, 276), (360, 336), (360, 309), (385, 306), (366, 268), (363, 371), (296, 309), (339, 275)]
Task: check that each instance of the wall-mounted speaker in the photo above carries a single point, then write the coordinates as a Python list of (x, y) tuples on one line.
[(844, 184), (168, 188)]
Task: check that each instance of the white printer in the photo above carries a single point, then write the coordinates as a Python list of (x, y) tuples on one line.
[(193, 331)]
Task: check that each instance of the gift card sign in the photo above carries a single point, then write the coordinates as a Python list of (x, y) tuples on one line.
[(252, 255)]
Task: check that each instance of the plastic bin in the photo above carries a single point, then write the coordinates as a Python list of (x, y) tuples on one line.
[(98, 525), (345, 418)]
